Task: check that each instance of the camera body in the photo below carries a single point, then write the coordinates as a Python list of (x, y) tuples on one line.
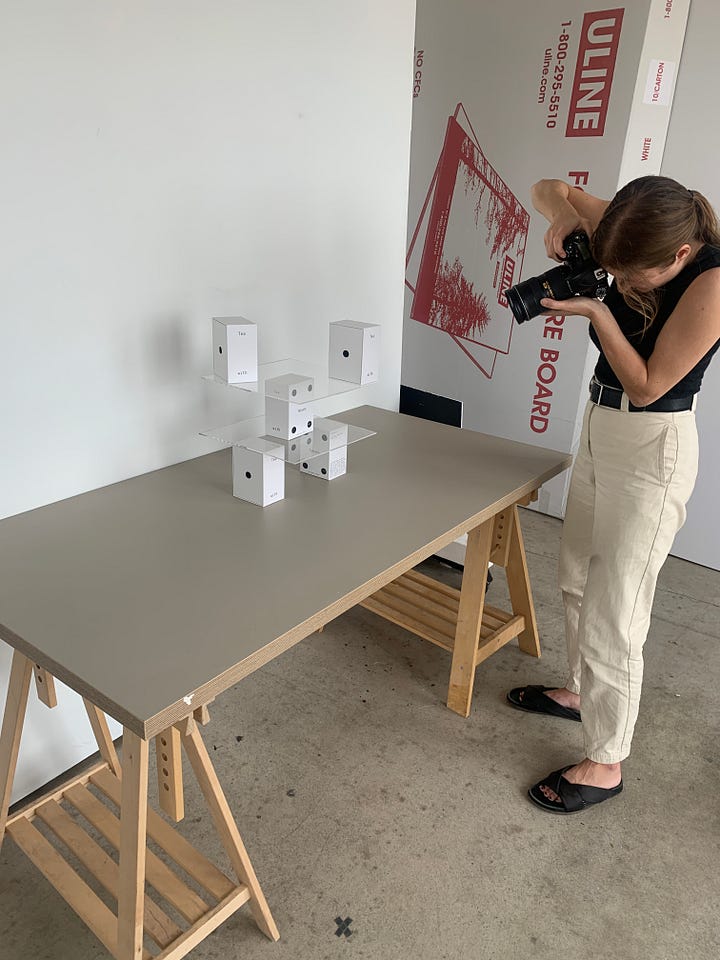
[(577, 276)]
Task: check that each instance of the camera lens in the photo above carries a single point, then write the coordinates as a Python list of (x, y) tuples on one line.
[(524, 299)]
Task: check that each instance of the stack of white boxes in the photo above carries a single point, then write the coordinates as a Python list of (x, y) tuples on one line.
[(259, 464), (319, 446), (354, 356)]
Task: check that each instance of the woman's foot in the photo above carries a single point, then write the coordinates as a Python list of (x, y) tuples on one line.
[(588, 773), (562, 696), (573, 789), (546, 700)]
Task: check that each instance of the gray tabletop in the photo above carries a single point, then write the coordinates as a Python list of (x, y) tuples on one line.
[(153, 595)]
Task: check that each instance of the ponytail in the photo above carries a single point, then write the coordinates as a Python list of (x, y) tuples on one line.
[(708, 229)]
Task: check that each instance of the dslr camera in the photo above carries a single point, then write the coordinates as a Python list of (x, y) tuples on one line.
[(577, 276)]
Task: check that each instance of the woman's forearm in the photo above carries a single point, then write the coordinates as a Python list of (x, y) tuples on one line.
[(629, 367), (550, 198)]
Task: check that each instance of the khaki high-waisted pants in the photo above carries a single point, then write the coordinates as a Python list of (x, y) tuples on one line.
[(632, 477)]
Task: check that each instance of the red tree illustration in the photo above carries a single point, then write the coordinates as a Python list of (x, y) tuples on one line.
[(505, 219), (456, 308)]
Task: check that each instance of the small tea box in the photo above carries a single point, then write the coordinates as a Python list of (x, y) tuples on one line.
[(259, 472), (287, 420), (299, 448), (354, 351), (329, 434), (291, 386), (235, 349), (327, 466)]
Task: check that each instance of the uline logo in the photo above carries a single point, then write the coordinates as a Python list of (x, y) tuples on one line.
[(506, 280), (594, 71)]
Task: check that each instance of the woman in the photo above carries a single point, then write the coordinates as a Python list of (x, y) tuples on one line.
[(656, 330)]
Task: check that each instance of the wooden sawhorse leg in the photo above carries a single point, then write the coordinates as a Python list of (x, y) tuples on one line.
[(518, 580), (500, 540), (125, 786), (469, 621), (225, 825), (13, 719), (133, 833)]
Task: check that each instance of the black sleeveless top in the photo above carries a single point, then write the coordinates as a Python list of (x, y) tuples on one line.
[(631, 323)]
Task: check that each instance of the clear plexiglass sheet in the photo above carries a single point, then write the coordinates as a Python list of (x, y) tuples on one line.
[(323, 385), (328, 435)]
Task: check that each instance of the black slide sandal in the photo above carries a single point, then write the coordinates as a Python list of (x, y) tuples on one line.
[(535, 701), (574, 797)]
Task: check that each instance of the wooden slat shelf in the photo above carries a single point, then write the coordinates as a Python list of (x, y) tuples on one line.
[(183, 853), (460, 621), (429, 609), (63, 831)]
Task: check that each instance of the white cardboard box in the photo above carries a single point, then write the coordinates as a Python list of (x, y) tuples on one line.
[(328, 465), (259, 472), (354, 353), (329, 434), (235, 349), (291, 386), (287, 420), (299, 448)]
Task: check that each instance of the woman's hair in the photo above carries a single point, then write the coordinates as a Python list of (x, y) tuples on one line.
[(645, 225)]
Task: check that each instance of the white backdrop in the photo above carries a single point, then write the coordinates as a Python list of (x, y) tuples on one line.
[(502, 70), (501, 100), (164, 162)]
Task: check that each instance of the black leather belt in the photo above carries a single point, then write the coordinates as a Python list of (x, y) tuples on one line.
[(612, 397)]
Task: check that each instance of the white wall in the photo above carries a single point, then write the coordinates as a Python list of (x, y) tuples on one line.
[(164, 162), (691, 153)]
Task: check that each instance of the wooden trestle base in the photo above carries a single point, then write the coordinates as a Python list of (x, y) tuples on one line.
[(459, 620), (191, 895)]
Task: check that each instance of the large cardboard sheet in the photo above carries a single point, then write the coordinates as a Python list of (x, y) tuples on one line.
[(502, 98)]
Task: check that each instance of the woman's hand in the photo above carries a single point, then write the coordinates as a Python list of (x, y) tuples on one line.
[(565, 221), (575, 307), (567, 209)]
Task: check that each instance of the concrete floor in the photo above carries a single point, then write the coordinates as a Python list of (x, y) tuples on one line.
[(360, 795)]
